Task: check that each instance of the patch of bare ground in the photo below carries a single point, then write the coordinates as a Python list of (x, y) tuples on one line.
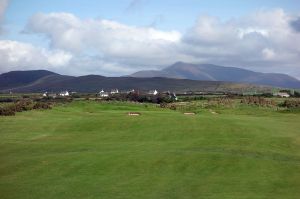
[(134, 113)]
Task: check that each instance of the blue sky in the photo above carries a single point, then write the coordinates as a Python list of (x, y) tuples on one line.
[(163, 14), (199, 22)]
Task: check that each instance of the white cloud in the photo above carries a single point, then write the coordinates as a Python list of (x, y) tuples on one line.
[(16, 55), (262, 41), (268, 54), (73, 34)]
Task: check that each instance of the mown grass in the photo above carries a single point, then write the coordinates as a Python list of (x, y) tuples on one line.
[(95, 150)]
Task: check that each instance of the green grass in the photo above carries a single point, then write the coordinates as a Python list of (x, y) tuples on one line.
[(94, 150)]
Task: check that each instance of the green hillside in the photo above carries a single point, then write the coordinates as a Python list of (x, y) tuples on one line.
[(95, 150)]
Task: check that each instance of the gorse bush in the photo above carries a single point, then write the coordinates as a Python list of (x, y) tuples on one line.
[(22, 105), (258, 101), (291, 104), (55, 100), (142, 98), (168, 105), (42, 105), (6, 111), (220, 102)]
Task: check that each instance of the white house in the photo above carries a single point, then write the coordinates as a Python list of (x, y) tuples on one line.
[(102, 93), (64, 94), (130, 91), (282, 94), (153, 92), (114, 91), (45, 94)]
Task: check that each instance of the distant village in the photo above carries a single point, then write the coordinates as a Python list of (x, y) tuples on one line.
[(112, 92), (108, 93)]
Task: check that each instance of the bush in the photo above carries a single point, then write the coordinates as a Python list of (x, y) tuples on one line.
[(54, 100), (7, 111), (166, 105), (22, 105), (258, 101), (173, 107), (42, 105), (220, 102), (291, 104)]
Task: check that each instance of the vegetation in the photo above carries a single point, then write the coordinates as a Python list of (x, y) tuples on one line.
[(291, 104), (87, 149), (258, 101), (22, 105)]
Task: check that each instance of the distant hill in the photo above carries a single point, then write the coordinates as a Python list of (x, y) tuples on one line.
[(19, 78), (44, 81), (211, 72)]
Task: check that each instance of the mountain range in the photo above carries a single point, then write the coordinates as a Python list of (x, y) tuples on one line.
[(42, 81), (210, 72), (178, 77)]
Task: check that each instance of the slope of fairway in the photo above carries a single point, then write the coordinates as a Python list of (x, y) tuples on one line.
[(94, 150)]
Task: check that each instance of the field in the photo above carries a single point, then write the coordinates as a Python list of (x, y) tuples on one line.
[(95, 150)]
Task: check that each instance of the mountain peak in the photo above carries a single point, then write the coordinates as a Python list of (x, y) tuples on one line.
[(213, 72)]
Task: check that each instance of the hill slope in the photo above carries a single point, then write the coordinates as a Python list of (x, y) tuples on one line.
[(220, 73), (20, 78)]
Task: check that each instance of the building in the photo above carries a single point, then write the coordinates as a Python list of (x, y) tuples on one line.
[(102, 93), (282, 94), (130, 91), (114, 91), (64, 94), (45, 94), (153, 92)]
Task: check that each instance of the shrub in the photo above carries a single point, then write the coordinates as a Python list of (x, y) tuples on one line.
[(173, 107), (258, 101), (22, 105), (220, 102), (290, 104), (163, 105), (7, 111), (42, 105)]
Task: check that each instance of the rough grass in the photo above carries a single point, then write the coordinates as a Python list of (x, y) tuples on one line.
[(93, 150)]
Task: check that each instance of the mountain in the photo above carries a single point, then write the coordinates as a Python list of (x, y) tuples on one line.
[(211, 72), (52, 82), (19, 78)]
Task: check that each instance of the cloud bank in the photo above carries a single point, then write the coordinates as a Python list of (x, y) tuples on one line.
[(264, 41)]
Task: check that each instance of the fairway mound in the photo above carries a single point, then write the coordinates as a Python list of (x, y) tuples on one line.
[(133, 113), (189, 113)]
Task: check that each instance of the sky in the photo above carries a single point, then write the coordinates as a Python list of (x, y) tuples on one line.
[(119, 37)]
